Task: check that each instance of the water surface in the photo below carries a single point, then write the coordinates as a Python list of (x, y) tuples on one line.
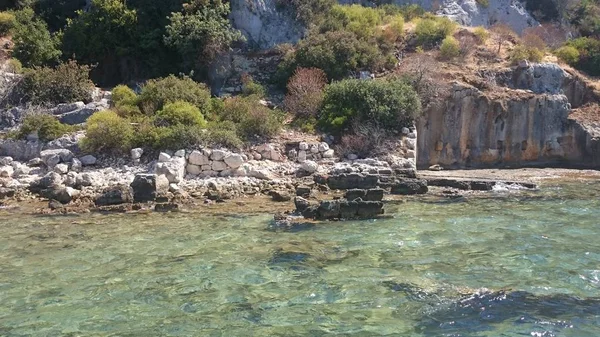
[(500, 264)]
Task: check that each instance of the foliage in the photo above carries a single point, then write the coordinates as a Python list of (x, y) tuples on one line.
[(222, 134), (7, 23), (364, 140), (251, 117), (388, 104), (106, 131), (14, 66), (309, 12), (122, 95), (180, 113), (568, 54), (589, 54), (104, 35), (47, 127), (522, 52), (482, 34), (432, 30), (449, 48), (68, 82), (484, 3), (200, 33), (502, 33), (337, 53), (305, 92), (249, 87), (33, 43), (157, 92), (56, 13)]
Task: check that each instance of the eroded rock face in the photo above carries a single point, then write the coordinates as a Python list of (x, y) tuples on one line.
[(475, 130)]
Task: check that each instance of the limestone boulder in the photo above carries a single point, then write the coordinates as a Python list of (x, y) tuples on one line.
[(174, 169)]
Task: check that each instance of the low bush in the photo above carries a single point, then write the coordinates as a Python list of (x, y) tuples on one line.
[(589, 54), (484, 3), (450, 48), (249, 87), (178, 137), (520, 53), (106, 131), (222, 134), (568, 54), (14, 66), (7, 23), (432, 30), (388, 104), (305, 92), (68, 82), (158, 92), (482, 34), (364, 141), (47, 127), (251, 117), (180, 113), (123, 95)]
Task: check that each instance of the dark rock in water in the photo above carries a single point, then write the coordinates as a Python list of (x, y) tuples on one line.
[(280, 196), (303, 191), (289, 223), (147, 187), (301, 204), (355, 194), (310, 212), (54, 205), (410, 187), (374, 194), (115, 196), (453, 183), (349, 209), (329, 209), (288, 257), (352, 181), (482, 185), (166, 207), (6, 193), (369, 209)]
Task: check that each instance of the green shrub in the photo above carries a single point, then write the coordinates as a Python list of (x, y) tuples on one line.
[(47, 127), (389, 104), (521, 52), (251, 117), (223, 134), (431, 30), (7, 23), (123, 95), (484, 3), (68, 82), (482, 34), (589, 54), (568, 54), (14, 66), (106, 131), (33, 43), (249, 87), (178, 137), (180, 113), (449, 48), (156, 93)]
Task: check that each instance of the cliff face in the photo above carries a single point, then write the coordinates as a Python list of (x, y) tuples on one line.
[(509, 127)]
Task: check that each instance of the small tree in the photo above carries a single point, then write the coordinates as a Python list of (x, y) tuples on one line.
[(502, 33), (305, 92), (450, 48), (34, 45)]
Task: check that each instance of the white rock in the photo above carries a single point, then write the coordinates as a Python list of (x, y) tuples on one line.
[(309, 166), (303, 146), (239, 172), (207, 174), (218, 155), (275, 156), (257, 156), (70, 179), (301, 156), (163, 157), (88, 179), (261, 174), (6, 171), (49, 156), (328, 154), (234, 160), (412, 135), (174, 170), (137, 153), (218, 166), (61, 168), (193, 169), (173, 188), (5, 161), (76, 165), (180, 154), (207, 167), (88, 160), (352, 156), (198, 158), (314, 148), (20, 169), (405, 131), (323, 147)]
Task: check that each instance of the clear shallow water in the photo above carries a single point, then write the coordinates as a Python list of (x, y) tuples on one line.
[(423, 273)]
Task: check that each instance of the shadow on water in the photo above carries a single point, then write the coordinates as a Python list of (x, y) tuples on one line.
[(480, 312)]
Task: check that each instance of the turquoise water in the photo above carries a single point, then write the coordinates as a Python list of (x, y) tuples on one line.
[(501, 264)]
